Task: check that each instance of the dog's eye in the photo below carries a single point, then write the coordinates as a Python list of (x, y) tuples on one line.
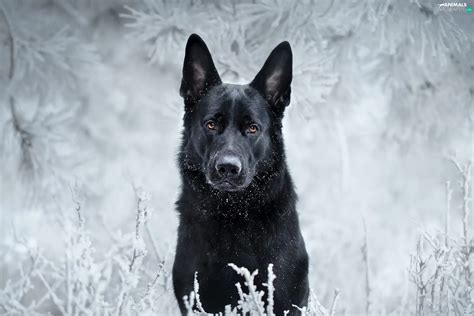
[(211, 125), (252, 129)]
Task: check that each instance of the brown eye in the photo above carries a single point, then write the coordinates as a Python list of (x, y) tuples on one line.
[(252, 129), (211, 125)]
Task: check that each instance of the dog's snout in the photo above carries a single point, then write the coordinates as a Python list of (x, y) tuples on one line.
[(228, 166), (228, 171)]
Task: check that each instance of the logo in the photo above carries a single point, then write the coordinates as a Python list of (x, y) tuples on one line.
[(454, 7)]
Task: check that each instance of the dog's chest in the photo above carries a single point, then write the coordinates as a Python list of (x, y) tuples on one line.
[(237, 243)]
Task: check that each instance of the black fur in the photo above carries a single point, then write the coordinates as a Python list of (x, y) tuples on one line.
[(237, 203)]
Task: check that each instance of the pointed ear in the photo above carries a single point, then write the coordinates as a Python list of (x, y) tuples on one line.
[(199, 72), (274, 79)]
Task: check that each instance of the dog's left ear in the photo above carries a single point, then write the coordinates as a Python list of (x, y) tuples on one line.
[(199, 72), (273, 81)]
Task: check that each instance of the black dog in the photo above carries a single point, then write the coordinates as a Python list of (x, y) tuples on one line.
[(237, 203)]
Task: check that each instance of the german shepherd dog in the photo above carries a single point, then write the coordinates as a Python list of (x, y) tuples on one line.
[(237, 202)]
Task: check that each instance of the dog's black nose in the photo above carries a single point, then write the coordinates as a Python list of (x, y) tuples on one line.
[(228, 166)]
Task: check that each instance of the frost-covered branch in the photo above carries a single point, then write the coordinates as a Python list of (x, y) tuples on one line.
[(85, 282), (25, 136), (253, 300), (442, 272), (365, 258)]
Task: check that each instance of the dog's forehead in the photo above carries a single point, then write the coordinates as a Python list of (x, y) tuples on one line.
[(231, 99)]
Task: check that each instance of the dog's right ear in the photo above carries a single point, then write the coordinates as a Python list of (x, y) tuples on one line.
[(199, 72)]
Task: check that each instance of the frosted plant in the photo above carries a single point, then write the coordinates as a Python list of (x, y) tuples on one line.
[(251, 301), (442, 267), (83, 282)]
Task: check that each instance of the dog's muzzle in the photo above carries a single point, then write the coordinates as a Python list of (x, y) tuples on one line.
[(226, 172)]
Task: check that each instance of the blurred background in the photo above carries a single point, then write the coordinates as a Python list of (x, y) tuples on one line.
[(90, 118)]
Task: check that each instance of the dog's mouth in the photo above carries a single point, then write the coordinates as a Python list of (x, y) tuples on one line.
[(228, 186)]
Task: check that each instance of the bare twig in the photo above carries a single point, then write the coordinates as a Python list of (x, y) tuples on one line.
[(466, 175), (77, 204), (332, 311), (449, 194), (140, 220), (365, 258), (418, 266), (56, 300), (153, 244)]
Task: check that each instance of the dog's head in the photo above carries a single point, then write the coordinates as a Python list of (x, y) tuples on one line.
[(231, 130)]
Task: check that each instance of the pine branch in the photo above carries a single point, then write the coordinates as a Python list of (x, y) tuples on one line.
[(25, 136)]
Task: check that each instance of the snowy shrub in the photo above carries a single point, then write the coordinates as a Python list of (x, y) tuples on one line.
[(251, 300), (83, 282), (116, 282), (442, 266)]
